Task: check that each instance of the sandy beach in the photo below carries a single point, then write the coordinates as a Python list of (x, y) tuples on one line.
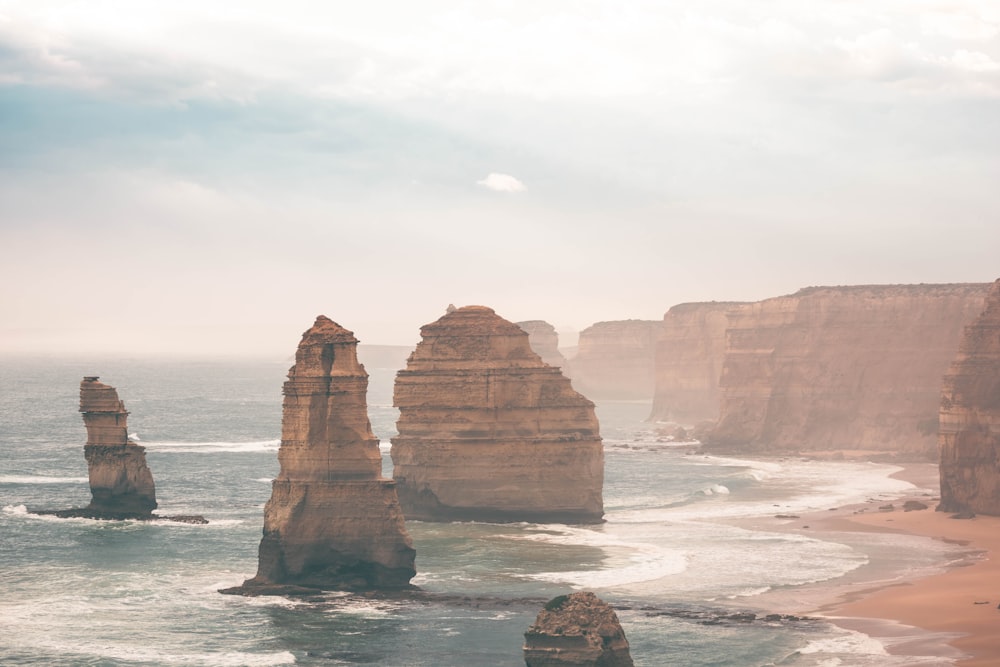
[(961, 602)]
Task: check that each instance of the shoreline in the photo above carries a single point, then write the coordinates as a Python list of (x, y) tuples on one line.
[(951, 613)]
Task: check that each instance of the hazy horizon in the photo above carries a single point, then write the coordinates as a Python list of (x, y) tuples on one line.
[(190, 180)]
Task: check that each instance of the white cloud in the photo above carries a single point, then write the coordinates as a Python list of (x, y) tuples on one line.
[(502, 183)]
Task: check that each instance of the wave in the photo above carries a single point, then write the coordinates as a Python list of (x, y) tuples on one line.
[(40, 479), (643, 562), (213, 447)]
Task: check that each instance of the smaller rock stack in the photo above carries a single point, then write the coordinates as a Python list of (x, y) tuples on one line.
[(578, 630), (121, 484), (969, 433), (544, 340), (332, 521)]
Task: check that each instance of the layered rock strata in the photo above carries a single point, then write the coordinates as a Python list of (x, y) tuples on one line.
[(690, 352), (489, 432), (578, 630), (121, 484), (332, 521), (544, 341), (616, 360), (969, 434), (853, 369)]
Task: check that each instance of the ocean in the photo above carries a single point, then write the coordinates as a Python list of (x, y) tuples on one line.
[(691, 555)]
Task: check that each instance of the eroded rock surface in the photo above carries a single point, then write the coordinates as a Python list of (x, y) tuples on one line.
[(578, 630), (332, 521), (489, 432), (853, 369), (970, 418), (690, 352), (616, 360)]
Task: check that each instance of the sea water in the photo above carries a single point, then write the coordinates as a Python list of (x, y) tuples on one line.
[(691, 554)]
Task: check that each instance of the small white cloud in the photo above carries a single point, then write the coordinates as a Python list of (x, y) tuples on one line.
[(502, 183)]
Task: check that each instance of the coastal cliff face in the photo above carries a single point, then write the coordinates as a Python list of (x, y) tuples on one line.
[(690, 352), (544, 341), (970, 418), (841, 368), (121, 484), (578, 630), (488, 431), (332, 521), (615, 360)]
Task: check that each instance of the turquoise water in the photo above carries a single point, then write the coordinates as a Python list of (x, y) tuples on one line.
[(676, 556)]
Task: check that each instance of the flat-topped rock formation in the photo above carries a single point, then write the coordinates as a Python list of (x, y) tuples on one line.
[(544, 341), (332, 521), (970, 418), (489, 432), (855, 369), (577, 630), (690, 352), (616, 360)]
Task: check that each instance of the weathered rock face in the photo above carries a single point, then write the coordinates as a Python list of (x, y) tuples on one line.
[(689, 355), (616, 360), (970, 418), (121, 484), (487, 431), (841, 368), (332, 522), (544, 341), (578, 630)]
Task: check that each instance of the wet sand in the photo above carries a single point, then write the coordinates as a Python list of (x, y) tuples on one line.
[(960, 602)]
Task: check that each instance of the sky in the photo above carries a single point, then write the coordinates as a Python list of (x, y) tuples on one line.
[(204, 178)]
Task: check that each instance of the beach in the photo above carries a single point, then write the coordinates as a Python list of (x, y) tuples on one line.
[(958, 605)]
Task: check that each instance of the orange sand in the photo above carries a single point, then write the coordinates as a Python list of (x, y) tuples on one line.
[(961, 600)]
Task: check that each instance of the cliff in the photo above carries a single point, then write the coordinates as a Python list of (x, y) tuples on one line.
[(489, 432), (578, 630), (969, 434), (544, 341), (841, 368), (615, 360), (332, 521), (690, 352)]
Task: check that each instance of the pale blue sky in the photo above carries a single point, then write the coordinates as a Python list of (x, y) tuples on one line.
[(192, 177)]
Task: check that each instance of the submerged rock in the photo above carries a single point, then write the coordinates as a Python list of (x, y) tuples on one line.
[(578, 630), (489, 432), (332, 521), (969, 435)]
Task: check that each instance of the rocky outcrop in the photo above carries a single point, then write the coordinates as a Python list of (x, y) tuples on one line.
[(841, 368), (489, 432), (616, 360), (578, 630), (690, 352), (121, 484), (544, 341), (969, 434), (332, 521)]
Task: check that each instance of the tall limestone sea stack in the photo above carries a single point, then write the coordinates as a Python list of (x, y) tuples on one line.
[(489, 432), (616, 360), (332, 521), (121, 484), (970, 418)]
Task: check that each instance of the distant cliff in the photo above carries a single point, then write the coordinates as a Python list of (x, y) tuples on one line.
[(689, 355), (970, 418), (544, 341), (615, 360), (841, 368)]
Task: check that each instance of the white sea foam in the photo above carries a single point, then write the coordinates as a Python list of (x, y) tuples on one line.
[(638, 561), (264, 480), (15, 509), (40, 479), (213, 447), (850, 643)]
